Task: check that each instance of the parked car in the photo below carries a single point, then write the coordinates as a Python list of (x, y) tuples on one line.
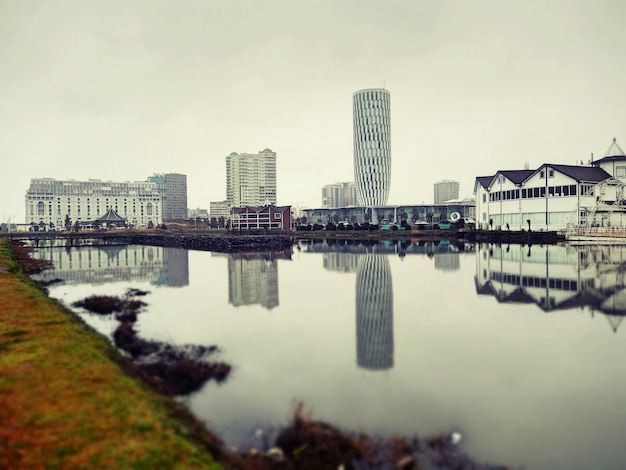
[(421, 224)]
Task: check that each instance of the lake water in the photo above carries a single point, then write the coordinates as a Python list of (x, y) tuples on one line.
[(518, 348)]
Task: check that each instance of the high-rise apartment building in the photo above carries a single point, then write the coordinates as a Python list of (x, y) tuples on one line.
[(446, 190), (339, 195), (50, 201), (251, 178), (372, 146), (173, 190)]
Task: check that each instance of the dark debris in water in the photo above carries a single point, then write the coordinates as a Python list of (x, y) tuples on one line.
[(306, 444), (170, 370)]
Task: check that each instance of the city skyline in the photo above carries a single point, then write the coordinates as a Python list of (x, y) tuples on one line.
[(119, 91)]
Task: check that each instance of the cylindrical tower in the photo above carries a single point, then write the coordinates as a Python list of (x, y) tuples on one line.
[(372, 146)]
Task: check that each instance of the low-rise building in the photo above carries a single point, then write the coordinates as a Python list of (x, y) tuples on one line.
[(555, 196), (267, 217)]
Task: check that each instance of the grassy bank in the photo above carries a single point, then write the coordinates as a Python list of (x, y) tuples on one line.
[(67, 401)]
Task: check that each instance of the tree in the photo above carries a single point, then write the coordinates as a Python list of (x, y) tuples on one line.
[(68, 223), (76, 226)]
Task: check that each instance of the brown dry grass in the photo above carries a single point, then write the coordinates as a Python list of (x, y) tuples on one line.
[(67, 403)]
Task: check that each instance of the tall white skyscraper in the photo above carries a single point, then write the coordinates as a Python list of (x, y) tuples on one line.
[(251, 178), (372, 146)]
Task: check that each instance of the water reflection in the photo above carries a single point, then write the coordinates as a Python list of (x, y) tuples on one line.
[(113, 263), (253, 277), (374, 312), (556, 277)]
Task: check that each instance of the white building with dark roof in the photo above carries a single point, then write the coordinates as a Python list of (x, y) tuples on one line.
[(555, 197)]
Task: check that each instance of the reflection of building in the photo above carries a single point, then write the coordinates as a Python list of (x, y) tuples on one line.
[(446, 190), (173, 190), (339, 195), (372, 146), (447, 261), (374, 313), (113, 263), (251, 178), (49, 201), (253, 278), (341, 262), (556, 277)]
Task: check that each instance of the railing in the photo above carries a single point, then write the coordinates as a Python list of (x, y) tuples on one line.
[(606, 232)]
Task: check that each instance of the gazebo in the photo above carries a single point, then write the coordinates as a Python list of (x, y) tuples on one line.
[(111, 219)]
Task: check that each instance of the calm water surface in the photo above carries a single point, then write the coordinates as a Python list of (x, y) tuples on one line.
[(518, 348)]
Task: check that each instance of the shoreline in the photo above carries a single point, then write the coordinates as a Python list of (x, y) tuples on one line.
[(231, 242)]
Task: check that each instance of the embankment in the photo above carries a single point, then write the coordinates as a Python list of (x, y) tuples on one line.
[(67, 400)]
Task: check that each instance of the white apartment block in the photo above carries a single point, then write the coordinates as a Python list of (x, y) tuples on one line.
[(251, 178), (49, 201), (446, 190), (219, 209), (555, 197), (339, 195)]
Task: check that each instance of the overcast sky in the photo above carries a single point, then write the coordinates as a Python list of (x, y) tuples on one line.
[(120, 90)]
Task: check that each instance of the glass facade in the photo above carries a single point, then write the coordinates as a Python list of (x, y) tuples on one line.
[(372, 146)]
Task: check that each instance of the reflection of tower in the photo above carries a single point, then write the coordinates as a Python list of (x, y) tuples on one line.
[(253, 278), (374, 313)]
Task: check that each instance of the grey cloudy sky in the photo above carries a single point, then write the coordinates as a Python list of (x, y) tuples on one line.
[(122, 89)]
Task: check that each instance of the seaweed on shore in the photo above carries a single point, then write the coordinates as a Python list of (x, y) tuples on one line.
[(169, 370), (307, 444)]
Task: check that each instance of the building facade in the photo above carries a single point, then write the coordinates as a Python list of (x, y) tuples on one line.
[(555, 197), (49, 202), (219, 209), (262, 217), (446, 190), (372, 146), (430, 213), (339, 195), (251, 178), (173, 190)]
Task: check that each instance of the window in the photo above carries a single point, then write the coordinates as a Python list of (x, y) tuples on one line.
[(277, 215), (550, 173), (484, 198), (620, 171), (542, 174)]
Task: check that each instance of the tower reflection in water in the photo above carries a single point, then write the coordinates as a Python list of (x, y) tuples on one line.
[(374, 312), (555, 277)]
